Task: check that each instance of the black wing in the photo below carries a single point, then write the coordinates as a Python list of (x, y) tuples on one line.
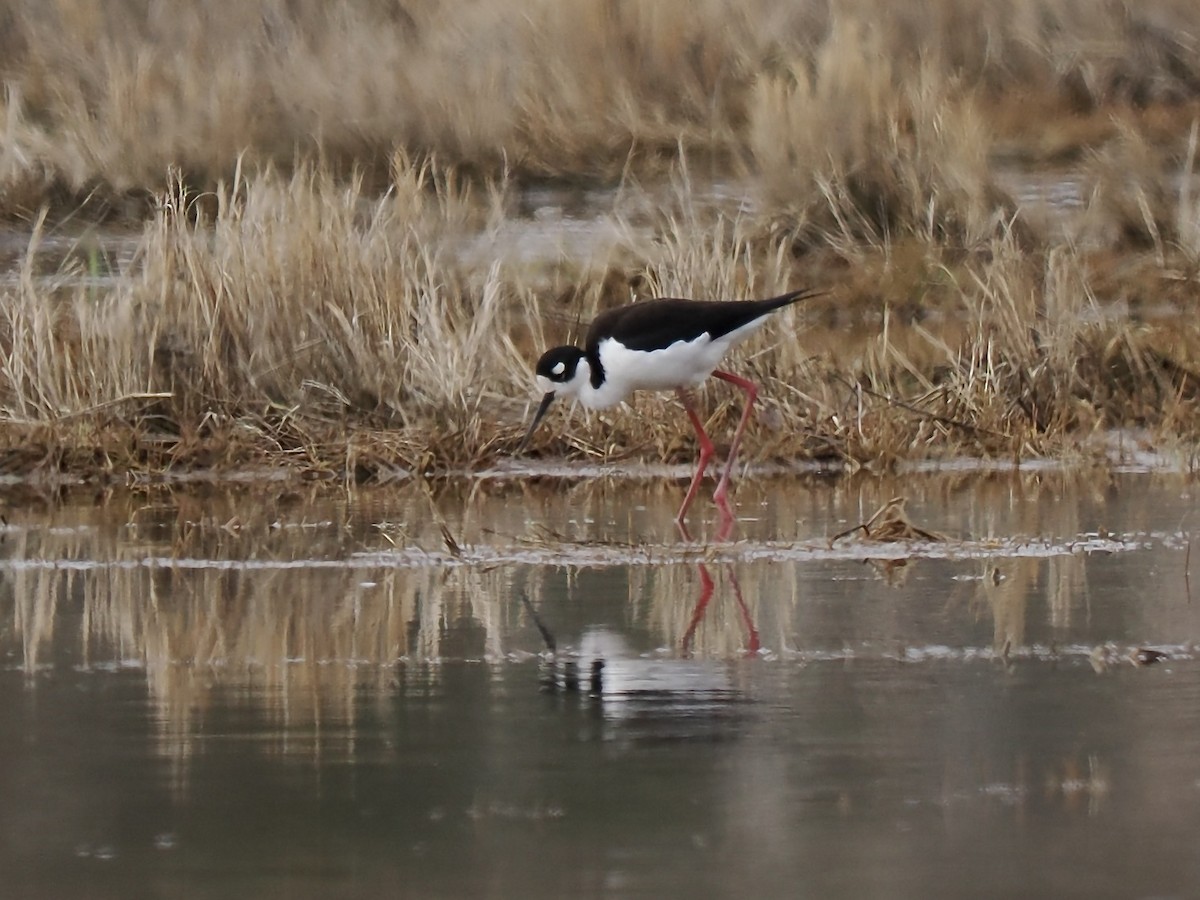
[(654, 324)]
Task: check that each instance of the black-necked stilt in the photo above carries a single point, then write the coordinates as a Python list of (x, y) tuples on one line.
[(659, 345)]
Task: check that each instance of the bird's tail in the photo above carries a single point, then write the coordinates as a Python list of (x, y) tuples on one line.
[(789, 298)]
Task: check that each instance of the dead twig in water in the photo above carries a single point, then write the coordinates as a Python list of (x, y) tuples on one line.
[(447, 535), (889, 523), (546, 633), (1187, 569), (1187, 559)]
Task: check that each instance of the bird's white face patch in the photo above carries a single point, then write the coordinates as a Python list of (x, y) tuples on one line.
[(559, 368)]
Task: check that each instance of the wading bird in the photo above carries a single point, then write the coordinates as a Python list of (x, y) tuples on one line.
[(659, 345)]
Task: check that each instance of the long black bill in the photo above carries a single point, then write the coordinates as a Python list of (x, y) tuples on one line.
[(547, 399)]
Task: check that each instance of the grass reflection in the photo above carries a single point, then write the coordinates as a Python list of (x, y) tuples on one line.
[(292, 601)]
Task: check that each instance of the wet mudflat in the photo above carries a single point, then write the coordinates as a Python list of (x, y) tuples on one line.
[(210, 693)]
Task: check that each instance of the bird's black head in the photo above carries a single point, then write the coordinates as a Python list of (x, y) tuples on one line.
[(558, 366), (557, 372)]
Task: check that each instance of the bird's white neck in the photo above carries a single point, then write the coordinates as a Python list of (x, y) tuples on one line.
[(581, 389)]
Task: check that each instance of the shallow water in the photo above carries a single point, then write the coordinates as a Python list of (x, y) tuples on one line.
[(213, 694)]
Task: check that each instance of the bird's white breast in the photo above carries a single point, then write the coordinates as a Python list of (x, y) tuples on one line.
[(682, 364)]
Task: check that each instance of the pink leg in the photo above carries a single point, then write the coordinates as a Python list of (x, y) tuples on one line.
[(722, 492), (706, 451), (725, 529)]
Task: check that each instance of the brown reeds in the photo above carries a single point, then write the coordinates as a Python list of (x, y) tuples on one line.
[(303, 294), (296, 320), (866, 150), (100, 101)]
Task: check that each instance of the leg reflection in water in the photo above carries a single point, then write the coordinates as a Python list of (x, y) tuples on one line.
[(708, 586), (603, 665)]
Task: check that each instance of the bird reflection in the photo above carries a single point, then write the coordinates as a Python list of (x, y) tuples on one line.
[(653, 696), (645, 698)]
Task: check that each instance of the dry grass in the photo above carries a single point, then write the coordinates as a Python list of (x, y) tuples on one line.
[(866, 150), (100, 101), (539, 87), (296, 307), (306, 295), (298, 322)]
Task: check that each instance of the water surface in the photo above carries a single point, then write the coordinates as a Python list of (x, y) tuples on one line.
[(255, 693)]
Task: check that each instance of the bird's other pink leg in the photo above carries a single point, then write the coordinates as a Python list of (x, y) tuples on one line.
[(722, 492), (706, 451), (726, 517), (725, 529)]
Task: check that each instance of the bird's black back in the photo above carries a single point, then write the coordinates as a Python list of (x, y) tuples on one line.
[(654, 324)]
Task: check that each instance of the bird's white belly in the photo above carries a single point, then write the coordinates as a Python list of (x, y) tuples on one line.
[(683, 364)]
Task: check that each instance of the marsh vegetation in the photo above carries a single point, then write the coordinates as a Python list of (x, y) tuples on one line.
[(280, 235)]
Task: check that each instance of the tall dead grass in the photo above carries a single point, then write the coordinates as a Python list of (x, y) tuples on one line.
[(279, 309), (101, 100), (300, 321), (317, 305), (864, 149), (118, 94)]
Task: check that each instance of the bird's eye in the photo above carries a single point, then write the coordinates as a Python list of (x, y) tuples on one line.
[(558, 368)]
